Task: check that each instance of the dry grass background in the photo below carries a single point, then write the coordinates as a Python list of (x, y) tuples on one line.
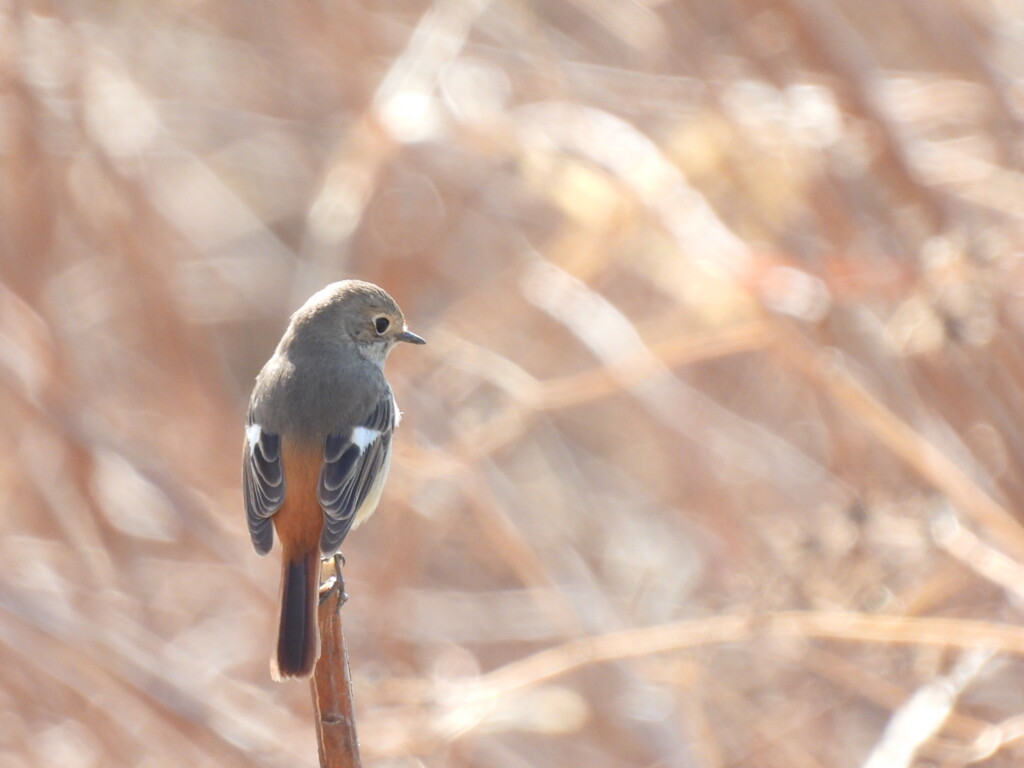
[(715, 455)]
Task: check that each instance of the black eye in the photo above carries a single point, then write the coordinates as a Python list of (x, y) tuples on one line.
[(381, 324)]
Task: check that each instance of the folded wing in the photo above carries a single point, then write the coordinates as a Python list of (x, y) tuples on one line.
[(262, 483), (353, 463)]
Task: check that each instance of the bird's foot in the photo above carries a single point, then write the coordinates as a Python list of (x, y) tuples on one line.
[(334, 582)]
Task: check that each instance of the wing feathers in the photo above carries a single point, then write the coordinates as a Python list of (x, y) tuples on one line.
[(353, 462), (352, 465), (262, 484)]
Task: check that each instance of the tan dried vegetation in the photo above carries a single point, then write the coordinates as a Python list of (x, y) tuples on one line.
[(714, 457)]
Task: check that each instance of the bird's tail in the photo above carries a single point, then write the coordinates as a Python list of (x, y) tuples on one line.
[(298, 641)]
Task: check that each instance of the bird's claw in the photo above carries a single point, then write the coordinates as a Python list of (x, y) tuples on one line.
[(335, 582)]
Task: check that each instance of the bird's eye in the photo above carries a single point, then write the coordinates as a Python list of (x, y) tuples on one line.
[(381, 324)]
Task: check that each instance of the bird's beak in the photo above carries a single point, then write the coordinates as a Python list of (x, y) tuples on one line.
[(410, 337)]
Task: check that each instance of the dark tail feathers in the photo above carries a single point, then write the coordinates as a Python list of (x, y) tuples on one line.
[(298, 642)]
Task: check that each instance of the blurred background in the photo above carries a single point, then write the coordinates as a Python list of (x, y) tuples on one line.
[(714, 457)]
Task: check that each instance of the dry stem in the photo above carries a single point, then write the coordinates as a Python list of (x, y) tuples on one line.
[(331, 687)]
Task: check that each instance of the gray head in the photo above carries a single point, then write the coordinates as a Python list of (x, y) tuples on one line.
[(351, 311)]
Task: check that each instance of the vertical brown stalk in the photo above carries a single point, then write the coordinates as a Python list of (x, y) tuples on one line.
[(331, 687)]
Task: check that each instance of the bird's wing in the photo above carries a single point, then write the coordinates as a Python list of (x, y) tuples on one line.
[(262, 483), (353, 463)]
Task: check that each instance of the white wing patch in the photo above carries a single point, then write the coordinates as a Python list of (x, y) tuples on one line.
[(252, 435), (364, 437), (398, 413)]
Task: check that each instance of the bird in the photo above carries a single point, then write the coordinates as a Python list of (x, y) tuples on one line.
[(317, 446)]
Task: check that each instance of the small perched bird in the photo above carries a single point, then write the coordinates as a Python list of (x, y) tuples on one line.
[(318, 446)]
